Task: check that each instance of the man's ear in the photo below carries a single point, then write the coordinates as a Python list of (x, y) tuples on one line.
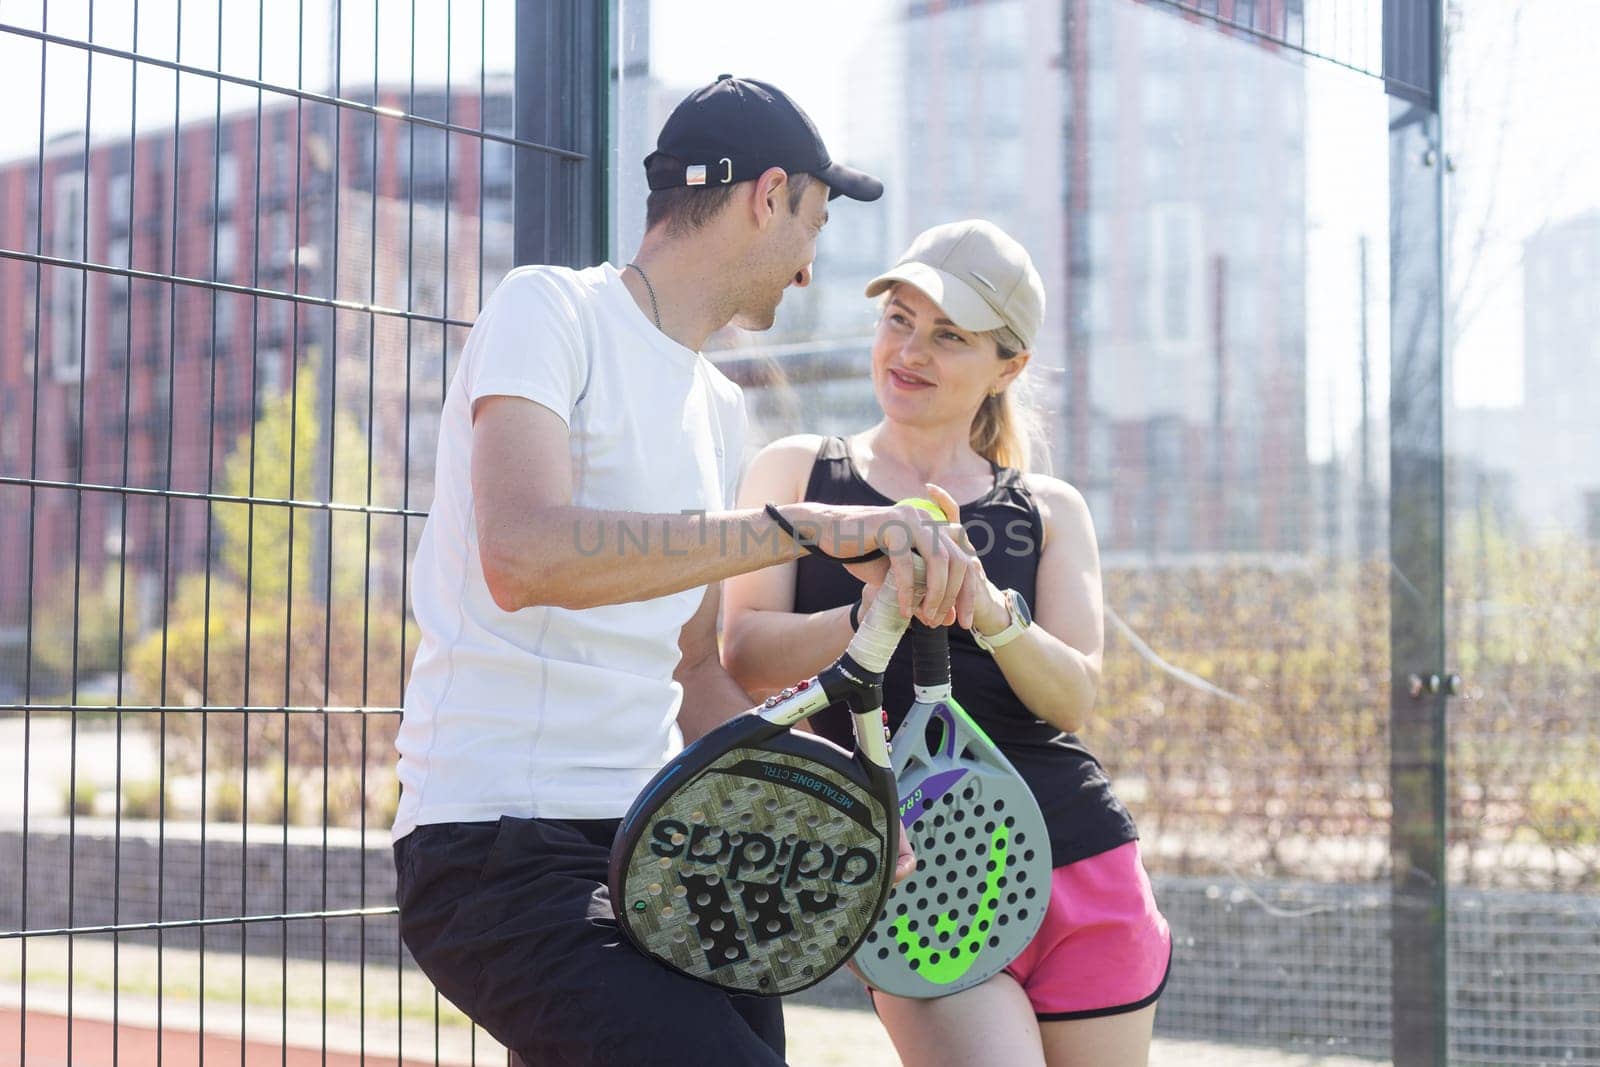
[(772, 185)]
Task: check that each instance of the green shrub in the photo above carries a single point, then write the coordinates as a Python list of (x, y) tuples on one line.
[(227, 802), (80, 797), (144, 799)]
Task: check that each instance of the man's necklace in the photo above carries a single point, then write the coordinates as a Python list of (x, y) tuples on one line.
[(655, 311)]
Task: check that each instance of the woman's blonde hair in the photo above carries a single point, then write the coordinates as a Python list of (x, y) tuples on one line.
[(1006, 425)]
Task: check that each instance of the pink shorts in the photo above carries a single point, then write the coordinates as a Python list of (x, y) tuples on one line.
[(1104, 948)]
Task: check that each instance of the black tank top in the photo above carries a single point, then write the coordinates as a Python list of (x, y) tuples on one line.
[(1084, 816)]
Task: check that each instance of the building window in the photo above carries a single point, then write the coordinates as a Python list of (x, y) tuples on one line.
[(283, 166), (499, 160), (225, 321), (269, 374), (1294, 29), (66, 287), (116, 292), (227, 250), (227, 182), (118, 189), (1174, 276), (428, 165)]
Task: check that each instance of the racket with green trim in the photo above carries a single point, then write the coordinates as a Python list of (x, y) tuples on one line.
[(982, 880)]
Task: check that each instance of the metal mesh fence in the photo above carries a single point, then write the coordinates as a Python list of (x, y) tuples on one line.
[(1348, 33), (240, 249)]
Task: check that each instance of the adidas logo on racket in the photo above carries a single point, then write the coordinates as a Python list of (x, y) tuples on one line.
[(758, 858)]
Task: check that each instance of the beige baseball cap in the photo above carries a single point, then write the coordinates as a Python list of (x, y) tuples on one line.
[(977, 274)]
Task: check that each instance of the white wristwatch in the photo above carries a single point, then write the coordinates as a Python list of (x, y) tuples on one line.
[(1021, 619)]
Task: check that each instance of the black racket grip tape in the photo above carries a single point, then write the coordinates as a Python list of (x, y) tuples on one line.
[(930, 655)]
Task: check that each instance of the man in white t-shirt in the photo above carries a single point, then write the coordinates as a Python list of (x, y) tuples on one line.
[(566, 586)]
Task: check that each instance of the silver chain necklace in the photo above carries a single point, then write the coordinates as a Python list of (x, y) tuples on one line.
[(655, 311)]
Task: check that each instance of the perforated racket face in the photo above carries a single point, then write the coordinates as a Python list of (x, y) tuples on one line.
[(983, 862), (760, 874)]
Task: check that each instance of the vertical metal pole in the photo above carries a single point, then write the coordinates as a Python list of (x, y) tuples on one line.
[(563, 81), (1367, 501), (1419, 994), (1077, 134), (1221, 458)]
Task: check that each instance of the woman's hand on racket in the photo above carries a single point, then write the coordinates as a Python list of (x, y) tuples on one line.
[(990, 612)]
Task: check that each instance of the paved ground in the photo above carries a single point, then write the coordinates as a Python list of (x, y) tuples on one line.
[(95, 1042), (405, 1026), (818, 1037), (831, 1026)]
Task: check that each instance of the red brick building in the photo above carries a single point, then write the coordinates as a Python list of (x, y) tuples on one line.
[(222, 257)]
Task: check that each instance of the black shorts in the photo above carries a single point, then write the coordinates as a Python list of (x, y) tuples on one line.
[(512, 922)]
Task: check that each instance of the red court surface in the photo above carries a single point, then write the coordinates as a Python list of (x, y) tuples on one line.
[(137, 1045)]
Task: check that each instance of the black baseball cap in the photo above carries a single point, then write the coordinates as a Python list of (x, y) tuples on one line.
[(734, 129)]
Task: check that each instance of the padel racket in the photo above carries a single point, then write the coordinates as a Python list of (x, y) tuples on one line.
[(983, 852), (758, 858)]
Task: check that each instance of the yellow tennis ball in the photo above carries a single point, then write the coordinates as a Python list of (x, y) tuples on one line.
[(926, 505)]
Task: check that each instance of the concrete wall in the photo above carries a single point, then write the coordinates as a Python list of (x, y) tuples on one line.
[(154, 875)]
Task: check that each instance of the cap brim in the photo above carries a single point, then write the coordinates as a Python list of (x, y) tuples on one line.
[(955, 297), (847, 181)]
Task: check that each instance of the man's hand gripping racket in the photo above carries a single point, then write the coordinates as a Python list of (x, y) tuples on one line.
[(758, 858)]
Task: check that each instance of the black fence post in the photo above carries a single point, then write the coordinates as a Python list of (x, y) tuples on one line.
[(1412, 37), (562, 99)]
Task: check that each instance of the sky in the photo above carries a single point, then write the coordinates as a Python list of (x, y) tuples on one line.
[(1526, 148), (802, 51)]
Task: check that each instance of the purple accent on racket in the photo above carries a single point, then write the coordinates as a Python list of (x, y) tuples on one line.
[(911, 807)]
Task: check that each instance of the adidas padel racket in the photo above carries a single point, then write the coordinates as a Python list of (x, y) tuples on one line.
[(758, 858), (983, 853)]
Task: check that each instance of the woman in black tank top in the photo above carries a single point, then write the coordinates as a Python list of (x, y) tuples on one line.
[(951, 430)]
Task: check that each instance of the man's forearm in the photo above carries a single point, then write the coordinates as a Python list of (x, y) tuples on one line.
[(574, 557)]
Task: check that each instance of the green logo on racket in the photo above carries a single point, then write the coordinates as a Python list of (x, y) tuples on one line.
[(949, 966)]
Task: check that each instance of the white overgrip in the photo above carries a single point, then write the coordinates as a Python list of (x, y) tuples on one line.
[(883, 625)]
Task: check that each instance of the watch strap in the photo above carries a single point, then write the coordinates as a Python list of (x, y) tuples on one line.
[(1012, 631)]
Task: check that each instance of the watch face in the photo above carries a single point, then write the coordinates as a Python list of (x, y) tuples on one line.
[(1020, 606)]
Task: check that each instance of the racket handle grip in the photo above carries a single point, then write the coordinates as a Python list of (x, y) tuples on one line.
[(930, 656), (883, 625)]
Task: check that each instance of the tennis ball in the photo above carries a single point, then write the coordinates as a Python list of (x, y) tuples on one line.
[(926, 505)]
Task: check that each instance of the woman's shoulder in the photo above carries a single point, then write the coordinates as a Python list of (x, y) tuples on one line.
[(794, 446), (793, 453), (786, 463), (1058, 501)]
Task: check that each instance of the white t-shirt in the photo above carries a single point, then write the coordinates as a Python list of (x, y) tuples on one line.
[(547, 712)]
